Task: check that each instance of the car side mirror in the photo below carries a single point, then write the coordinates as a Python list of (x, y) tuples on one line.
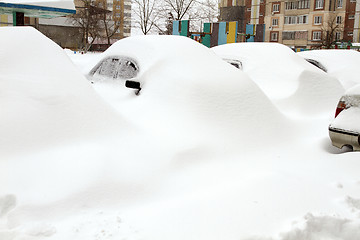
[(133, 85)]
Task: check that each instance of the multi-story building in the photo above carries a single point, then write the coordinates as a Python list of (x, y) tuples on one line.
[(295, 23), (122, 17), (248, 13), (310, 23)]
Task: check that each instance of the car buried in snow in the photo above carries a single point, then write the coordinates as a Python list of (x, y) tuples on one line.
[(345, 68), (344, 130), (117, 68)]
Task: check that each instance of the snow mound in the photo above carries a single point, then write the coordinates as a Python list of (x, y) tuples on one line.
[(316, 94), (345, 68), (45, 99), (188, 91), (273, 66), (290, 81), (325, 227)]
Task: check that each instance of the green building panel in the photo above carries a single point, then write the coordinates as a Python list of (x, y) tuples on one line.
[(184, 28), (207, 38)]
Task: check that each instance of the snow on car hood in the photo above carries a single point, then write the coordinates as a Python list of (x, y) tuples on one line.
[(349, 119)]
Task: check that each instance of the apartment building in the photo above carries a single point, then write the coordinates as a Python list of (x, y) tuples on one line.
[(122, 17), (248, 13), (306, 23)]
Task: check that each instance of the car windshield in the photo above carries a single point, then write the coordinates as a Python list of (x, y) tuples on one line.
[(116, 68)]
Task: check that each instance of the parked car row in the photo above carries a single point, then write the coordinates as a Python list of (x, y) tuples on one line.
[(279, 72)]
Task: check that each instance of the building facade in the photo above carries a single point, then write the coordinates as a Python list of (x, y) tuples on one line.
[(67, 34), (296, 23), (122, 17), (310, 23), (246, 13)]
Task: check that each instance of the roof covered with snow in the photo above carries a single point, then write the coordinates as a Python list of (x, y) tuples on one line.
[(37, 8)]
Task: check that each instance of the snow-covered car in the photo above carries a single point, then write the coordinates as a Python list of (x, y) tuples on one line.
[(345, 128), (290, 81), (345, 67), (175, 80)]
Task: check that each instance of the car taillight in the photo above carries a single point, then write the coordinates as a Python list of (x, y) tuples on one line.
[(341, 106)]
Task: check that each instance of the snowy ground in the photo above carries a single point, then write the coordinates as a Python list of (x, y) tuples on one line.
[(172, 163)]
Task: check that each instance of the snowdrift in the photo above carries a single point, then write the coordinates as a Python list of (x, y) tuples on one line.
[(284, 76), (188, 92), (345, 67), (216, 167), (45, 99)]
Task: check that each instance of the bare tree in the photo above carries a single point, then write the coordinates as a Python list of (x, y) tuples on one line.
[(208, 10), (179, 8), (197, 11), (146, 13), (87, 17), (329, 30), (108, 25)]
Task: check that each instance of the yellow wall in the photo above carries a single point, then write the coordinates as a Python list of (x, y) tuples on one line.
[(232, 32)]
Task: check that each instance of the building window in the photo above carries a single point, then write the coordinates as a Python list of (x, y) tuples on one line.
[(303, 19), (290, 19), (338, 20), (351, 16), (292, 35), (288, 35), (350, 34), (317, 20), (304, 4), (276, 7), (319, 4), (316, 36), (339, 3), (274, 36), (275, 22), (337, 36), (290, 5), (118, 7)]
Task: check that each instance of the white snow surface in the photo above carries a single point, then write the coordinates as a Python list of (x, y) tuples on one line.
[(201, 153), (342, 64), (293, 84), (64, 4), (349, 118)]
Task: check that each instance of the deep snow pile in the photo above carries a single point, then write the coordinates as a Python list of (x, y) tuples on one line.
[(280, 179), (181, 94), (345, 67), (45, 99), (291, 82)]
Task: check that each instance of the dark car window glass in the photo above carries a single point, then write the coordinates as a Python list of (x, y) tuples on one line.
[(116, 68), (316, 64), (235, 63)]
